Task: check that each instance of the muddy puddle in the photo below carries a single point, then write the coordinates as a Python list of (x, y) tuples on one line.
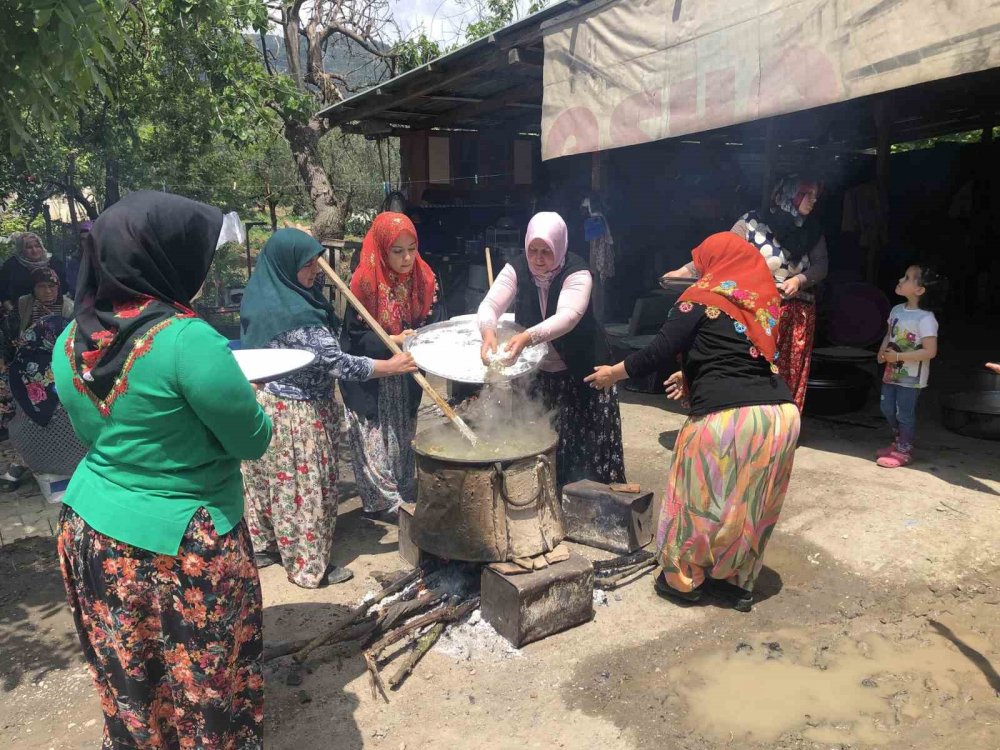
[(855, 691)]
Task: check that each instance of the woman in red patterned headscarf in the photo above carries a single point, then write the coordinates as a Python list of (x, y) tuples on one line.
[(733, 457), (392, 280), (400, 291)]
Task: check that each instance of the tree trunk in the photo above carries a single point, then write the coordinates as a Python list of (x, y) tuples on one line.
[(272, 210), (328, 222), (112, 188)]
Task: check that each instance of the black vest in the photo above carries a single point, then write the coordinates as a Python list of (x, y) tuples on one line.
[(585, 346)]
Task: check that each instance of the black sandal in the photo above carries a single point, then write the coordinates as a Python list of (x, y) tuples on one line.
[(12, 479), (666, 590), (335, 574), (740, 599), (266, 559)]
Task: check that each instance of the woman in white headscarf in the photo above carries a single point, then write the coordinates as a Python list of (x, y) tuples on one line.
[(550, 290)]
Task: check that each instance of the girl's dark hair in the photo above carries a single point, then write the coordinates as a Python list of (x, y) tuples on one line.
[(935, 287)]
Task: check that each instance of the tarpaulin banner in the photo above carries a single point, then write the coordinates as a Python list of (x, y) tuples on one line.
[(634, 71)]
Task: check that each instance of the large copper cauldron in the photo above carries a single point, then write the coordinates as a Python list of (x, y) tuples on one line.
[(489, 509)]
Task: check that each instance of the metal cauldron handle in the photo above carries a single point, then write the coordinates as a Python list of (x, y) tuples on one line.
[(500, 479)]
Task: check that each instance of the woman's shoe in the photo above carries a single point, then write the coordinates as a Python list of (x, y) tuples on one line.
[(266, 559), (12, 479), (334, 575), (665, 589), (385, 516), (740, 599)]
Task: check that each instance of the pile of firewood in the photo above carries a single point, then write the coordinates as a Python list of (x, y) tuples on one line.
[(620, 571), (415, 619)]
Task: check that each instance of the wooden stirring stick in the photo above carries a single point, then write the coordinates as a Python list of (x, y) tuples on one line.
[(467, 433), (489, 267)]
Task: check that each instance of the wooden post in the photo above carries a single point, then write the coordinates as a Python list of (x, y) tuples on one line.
[(770, 157), (598, 165), (71, 198), (883, 150)]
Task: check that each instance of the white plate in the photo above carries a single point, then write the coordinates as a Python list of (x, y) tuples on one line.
[(450, 349), (262, 365)]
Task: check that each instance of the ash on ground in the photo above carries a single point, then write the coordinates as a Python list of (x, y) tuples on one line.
[(474, 639)]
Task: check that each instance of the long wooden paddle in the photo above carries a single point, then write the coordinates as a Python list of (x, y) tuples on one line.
[(489, 267), (467, 433)]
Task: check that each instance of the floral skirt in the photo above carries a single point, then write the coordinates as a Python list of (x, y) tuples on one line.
[(291, 491), (727, 483), (796, 329), (385, 466), (589, 425), (174, 643)]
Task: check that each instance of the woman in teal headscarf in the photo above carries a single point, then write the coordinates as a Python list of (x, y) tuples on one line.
[(291, 500)]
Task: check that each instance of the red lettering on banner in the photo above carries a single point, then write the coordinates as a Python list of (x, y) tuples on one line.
[(625, 118), (576, 124), (720, 98), (683, 107), (798, 78)]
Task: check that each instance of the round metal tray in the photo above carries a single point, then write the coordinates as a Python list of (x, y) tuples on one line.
[(450, 349)]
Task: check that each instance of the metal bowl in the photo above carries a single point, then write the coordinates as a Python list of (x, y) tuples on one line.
[(450, 349), (973, 414)]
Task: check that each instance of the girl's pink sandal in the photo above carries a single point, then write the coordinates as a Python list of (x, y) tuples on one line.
[(883, 452), (894, 460)]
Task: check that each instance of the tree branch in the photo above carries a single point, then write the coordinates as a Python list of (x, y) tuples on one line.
[(263, 51), (73, 193)]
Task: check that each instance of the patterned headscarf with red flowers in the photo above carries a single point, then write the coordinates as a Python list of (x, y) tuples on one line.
[(396, 301), (734, 279), (143, 262)]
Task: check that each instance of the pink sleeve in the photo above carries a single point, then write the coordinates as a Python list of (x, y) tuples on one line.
[(574, 297), (497, 299)]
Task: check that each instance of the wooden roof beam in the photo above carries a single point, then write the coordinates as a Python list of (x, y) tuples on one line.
[(422, 87), (510, 98), (522, 57)]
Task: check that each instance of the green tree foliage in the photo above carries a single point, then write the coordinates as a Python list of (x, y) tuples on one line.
[(53, 55)]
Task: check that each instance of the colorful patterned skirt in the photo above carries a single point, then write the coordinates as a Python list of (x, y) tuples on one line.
[(727, 483), (385, 466), (796, 330), (174, 643), (589, 425), (291, 491)]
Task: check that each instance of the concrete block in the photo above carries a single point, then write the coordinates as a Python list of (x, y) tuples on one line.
[(529, 607), (408, 550), (597, 516)]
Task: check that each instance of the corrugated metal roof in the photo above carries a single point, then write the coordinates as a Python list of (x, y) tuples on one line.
[(461, 89)]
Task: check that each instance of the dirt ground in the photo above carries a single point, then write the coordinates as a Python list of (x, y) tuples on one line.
[(878, 625)]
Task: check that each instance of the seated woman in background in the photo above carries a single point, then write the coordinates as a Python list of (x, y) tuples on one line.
[(15, 274), (733, 457), (40, 430), (43, 300)]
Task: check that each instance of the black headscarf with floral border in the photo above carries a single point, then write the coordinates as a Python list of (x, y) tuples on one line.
[(144, 261)]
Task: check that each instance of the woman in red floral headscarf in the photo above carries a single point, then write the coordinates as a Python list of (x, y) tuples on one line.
[(399, 289), (733, 457)]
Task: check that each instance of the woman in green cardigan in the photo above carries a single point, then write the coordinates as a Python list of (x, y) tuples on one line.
[(155, 555)]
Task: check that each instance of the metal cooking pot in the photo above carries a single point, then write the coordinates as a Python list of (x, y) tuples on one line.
[(973, 413), (488, 510)]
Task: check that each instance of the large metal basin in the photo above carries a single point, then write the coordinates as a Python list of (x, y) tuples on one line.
[(488, 510), (973, 413)]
